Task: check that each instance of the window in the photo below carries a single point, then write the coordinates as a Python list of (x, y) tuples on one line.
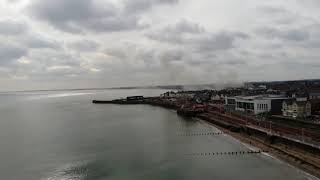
[(251, 106), (231, 101)]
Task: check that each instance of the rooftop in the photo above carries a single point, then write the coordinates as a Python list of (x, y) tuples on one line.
[(260, 97)]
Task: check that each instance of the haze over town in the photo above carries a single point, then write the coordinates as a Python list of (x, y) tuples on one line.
[(47, 44)]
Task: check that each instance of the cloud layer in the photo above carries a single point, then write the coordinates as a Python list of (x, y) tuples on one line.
[(103, 43)]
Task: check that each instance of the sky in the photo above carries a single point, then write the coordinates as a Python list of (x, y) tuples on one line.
[(61, 44)]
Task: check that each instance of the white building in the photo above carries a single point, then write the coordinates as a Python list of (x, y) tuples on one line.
[(255, 104), (169, 94), (181, 94), (295, 108), (217, 97)]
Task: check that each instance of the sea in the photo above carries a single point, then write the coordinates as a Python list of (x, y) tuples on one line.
[(62, 135)]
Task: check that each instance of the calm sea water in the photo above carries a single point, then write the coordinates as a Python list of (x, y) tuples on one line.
[(63, 136)]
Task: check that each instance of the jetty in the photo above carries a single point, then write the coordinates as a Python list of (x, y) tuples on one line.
[(128, 100)]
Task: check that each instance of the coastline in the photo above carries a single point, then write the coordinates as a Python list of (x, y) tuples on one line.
[(295, 156), (272, 151), (268, 154)]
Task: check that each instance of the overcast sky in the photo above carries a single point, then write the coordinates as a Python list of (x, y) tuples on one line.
[(46, 44)]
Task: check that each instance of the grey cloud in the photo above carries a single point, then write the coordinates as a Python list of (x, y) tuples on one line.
[(282, 16), (39, 42), (181, 52), (115, 23), (309, 3), (70, 15), (314, 39), (84, 45), (67, 11), (13, 1), (296, 35), (184, 26), (64, 70), (171, 55), (20, 33), (134, 6), (11, 27), (9, 53), (313, 44), (196, 37), (219, 41), (289, 35), (235, 62), (49, 64), (273, 10), (46, 65), (116, 53), (176, 33), (81, 16), (49, 57)]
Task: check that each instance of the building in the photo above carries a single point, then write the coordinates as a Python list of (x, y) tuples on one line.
[(295, 108), (178, 95), (314, 94), (202, 97), (185, 94), (135, 98), (230, 103), (315, 106), (217, 99), (169, 94), (255, 104)]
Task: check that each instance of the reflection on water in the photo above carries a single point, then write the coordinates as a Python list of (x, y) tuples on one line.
[(59, 95), (70, 172), (81, 171), (69, 138)]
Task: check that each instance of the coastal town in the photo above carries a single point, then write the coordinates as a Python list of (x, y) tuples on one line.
[(279, 117)]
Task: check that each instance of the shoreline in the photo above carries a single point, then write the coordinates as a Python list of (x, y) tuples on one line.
[(300, 158), (273, 152)]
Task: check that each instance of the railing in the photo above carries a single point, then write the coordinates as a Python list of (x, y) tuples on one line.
[(298, 134)]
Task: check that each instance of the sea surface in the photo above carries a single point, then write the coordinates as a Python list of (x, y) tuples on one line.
[(61, 135)]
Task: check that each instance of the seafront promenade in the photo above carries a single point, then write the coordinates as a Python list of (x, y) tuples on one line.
[(300, 148)]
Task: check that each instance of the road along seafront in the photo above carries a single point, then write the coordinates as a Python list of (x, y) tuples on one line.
[(278, 141)]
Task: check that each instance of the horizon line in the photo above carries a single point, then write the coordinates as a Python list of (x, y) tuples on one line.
[(152, 86)]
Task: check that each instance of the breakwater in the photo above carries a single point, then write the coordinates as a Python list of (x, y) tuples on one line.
[(232, 153)]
